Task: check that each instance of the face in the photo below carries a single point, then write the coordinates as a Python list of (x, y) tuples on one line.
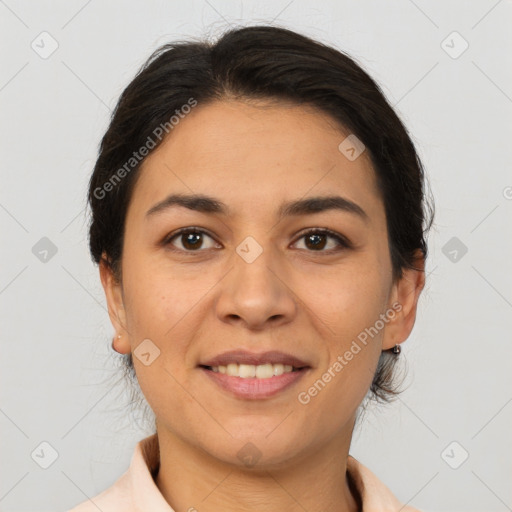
[(251, 275)]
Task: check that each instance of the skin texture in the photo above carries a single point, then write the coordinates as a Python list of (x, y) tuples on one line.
[(308, 302)]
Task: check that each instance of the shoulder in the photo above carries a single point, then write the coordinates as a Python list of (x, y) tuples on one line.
[(135, 489), (374, 494), (115, 498)]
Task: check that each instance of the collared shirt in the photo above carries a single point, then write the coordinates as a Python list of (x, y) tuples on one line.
[(136, 491)]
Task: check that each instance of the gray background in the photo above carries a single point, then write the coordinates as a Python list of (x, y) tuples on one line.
[(57, 371)]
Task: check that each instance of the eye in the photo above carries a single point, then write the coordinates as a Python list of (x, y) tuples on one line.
[(191, 239), (316, 240)]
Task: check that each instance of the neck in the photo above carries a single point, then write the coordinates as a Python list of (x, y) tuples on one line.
[(191, 479)]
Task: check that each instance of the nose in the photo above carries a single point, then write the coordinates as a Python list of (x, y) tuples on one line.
[(256, 294)]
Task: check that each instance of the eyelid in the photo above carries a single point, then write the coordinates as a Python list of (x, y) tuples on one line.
[(194, 229), (342, 240), (343, 243)]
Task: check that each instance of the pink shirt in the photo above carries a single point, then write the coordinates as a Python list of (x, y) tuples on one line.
[(136, 491)]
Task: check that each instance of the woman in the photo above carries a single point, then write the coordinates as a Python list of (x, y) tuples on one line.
[(258, 221)]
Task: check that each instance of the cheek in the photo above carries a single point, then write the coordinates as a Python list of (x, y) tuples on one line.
[(348, 312), (156, 298), (169, 308), (347, 300), (161, 387), (337, 389)]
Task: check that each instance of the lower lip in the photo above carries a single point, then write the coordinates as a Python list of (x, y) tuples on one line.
[(253, 388)]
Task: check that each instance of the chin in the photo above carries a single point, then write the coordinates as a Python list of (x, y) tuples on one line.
[(259, 450)]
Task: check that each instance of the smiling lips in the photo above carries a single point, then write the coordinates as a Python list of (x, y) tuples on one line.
[(248, 371), (254, 376), (243, 357)]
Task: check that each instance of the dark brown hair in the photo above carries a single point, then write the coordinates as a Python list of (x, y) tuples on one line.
[(268, 63)]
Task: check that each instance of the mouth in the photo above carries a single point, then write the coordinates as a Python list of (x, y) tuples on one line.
[(245, 359), (254, 376), (251, 371)]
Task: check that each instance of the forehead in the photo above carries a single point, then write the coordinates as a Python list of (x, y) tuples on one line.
[(247, 153)]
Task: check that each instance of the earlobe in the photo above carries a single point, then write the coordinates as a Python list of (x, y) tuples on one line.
[(120, 344), (115, 304), (406, 292)]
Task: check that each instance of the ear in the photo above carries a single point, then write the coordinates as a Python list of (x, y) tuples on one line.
[(115, 303), (405, 293)]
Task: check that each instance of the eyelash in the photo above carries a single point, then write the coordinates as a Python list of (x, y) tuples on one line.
[(343, 243)]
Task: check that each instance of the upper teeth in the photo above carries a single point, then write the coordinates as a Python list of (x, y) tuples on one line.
[(246, 371)]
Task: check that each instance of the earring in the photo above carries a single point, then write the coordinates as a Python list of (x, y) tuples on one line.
[(397, 349), (114, 340)]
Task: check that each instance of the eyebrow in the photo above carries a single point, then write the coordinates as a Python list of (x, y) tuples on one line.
[(206, 204)]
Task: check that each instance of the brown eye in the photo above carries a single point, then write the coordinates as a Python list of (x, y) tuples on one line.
[(317, 240), (191, 239)]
